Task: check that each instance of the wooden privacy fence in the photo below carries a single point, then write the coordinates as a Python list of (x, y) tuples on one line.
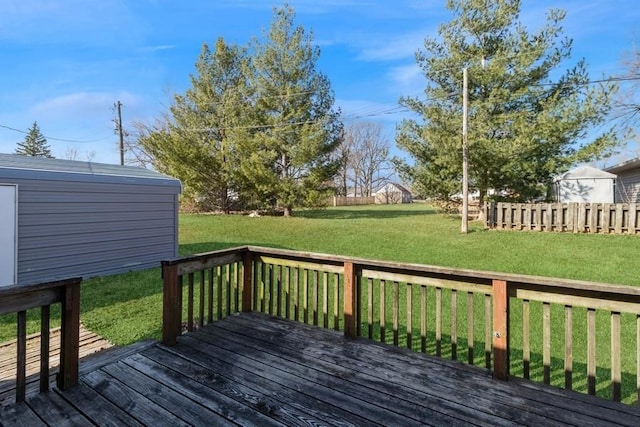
[(618, 218), (352, 201), (573, 334), (19, 299)]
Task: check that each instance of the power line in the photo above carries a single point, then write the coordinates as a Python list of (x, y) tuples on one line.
[(56, 139)]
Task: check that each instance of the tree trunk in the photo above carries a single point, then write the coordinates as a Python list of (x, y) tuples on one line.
[(287, 211)]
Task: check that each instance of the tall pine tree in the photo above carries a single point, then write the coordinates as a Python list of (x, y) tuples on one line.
[(528, 121), (288, 161), (34, 144), (195, 142)]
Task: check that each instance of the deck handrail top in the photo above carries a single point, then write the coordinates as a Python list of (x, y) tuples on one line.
[(598, 289), (16, 289)]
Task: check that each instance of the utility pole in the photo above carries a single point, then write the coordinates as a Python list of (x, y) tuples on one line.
[(464, 228), (120, 131)]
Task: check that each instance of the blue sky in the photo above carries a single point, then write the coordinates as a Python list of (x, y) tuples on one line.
[(66, 62)]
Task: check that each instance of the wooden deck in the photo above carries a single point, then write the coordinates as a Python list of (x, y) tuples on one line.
[(253, 369)]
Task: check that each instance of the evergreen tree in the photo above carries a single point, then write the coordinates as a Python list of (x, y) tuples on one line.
[(525, 124), (34, 144), (195, 142), (288, 160)]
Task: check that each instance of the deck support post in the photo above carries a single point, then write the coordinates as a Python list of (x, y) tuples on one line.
[(350, 300), (247, 284), (171, 303), (69, 336), (500, 329)]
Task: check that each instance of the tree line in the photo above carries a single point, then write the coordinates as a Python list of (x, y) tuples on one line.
[(257, 128)]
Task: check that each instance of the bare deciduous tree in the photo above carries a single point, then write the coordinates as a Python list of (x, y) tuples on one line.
[(365, 159)]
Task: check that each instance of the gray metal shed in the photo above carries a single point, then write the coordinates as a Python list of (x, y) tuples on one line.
[(585, 184), (63, 218)]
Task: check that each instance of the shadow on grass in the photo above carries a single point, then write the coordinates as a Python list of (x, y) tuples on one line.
[(363, 213)]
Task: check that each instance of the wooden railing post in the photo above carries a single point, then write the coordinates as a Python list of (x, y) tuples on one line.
[(171, 304), (500, 330), (247, 283), (69, 336), (350, 300)]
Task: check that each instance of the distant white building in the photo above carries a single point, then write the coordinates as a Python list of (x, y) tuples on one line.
[(585, 184), (391, 194)]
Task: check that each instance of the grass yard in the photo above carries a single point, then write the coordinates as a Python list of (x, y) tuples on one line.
[(127, 308)]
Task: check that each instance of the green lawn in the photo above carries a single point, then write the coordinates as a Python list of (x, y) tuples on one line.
[(127, 308)]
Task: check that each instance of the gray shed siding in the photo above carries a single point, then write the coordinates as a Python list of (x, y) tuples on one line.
[(76, 224), (628, 186)]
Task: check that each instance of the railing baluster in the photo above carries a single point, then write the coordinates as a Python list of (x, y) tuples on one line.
[(336, 301), (591, 351), (423, 319), (546, 342), (526, 339), (190, 302), (616, 376), (396, 309), (470, 337), (305, 296), (279, 286), (21, 365), (202, 296), (278, 274), (287, 291), (370, 314), (219, 303), (383, 304), (568, 347), (487, 331), (439, 322), (315, 297), (210, 294), (45, 326), (237, 287), (409, 291), (454, 324), (247, 287), (325, 299), (296, 294), (229, 295), (263, 287)]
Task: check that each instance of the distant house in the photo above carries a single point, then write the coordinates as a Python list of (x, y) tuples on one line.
[(392, 194), (585, 184), (63, 218), (628, 181)]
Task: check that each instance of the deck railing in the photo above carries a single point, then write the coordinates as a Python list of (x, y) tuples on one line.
[(573, 334), (19, 299)]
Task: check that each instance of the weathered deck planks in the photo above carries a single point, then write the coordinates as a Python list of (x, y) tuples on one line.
[(256, 370)]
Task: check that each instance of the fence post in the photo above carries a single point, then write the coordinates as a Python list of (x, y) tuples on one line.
[(171, 303), (247, 283), (69, 336), (500, 330), (350, 300)]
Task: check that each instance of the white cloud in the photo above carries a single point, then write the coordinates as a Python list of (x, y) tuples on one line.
[(82, 104), (382, 48)]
